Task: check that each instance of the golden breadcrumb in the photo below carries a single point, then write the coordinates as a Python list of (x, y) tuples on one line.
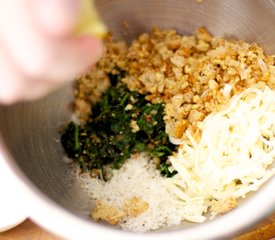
[(107, 213), (193, 75), (225, 206), (135, 206)]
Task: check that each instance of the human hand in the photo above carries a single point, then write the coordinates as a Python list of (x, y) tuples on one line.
[(38, 48)]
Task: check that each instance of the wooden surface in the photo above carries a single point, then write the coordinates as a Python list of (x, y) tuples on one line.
[(29, 231), (264, 230)]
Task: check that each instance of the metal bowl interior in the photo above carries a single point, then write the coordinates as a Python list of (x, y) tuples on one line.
[(31, 130)]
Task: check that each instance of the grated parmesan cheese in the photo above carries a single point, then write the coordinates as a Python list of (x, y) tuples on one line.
[(137, 178), (234, 156)]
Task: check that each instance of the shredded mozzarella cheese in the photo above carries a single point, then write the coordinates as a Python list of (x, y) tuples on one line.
[(234, 156)]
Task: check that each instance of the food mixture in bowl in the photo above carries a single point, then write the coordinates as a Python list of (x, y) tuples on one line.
[(173, 128)]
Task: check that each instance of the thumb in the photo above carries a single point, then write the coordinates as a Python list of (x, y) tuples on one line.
[(56, 17)]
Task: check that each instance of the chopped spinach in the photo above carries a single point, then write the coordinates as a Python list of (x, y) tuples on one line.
[(108, 137)]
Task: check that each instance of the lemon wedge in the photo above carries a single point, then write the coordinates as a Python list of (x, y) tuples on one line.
[(89, 21)]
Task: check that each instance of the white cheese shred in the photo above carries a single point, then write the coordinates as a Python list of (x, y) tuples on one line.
[(234, 156)]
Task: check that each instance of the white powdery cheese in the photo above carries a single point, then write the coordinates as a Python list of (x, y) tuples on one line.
[(138, 177)]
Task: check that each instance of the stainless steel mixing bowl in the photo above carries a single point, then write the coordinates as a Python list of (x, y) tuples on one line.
[(29, 131)]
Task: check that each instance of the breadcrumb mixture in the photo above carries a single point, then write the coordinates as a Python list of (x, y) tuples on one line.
[(194, 75)]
